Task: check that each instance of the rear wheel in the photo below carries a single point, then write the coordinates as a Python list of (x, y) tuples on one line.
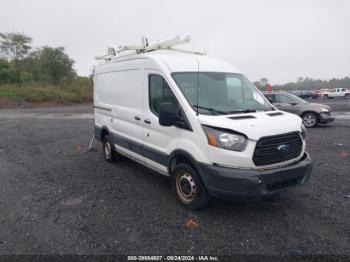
[(325, 96), (347, 96), (109, 152), (189, 188), (310, 119)]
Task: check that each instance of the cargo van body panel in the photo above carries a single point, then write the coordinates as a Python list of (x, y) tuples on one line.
[(119, 87)]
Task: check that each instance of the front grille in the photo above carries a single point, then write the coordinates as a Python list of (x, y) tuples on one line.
[(275, 149)]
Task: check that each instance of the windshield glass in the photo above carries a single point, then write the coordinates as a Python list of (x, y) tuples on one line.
[(220, 93)]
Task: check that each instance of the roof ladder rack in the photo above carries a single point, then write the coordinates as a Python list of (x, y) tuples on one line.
[(166, 44)]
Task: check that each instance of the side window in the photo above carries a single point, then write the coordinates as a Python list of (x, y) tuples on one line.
[(159, 92), (284, 99), (343, 89)]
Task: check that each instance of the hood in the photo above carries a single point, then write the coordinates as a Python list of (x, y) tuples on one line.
[(256, 125)]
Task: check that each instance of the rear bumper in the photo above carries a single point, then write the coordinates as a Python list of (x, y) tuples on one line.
[(325, 118), (242, 184)]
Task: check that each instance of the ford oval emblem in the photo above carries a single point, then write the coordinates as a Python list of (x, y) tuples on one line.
[(283, 148)]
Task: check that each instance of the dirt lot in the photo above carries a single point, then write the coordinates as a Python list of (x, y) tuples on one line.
[(57, 198)]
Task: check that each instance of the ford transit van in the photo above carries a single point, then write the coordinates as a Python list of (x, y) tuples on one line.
[(199, 121)]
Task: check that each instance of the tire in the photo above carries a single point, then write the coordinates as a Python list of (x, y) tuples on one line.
[(109, 153), (189, 188), (310, 119), (325, 97), (347, 96)]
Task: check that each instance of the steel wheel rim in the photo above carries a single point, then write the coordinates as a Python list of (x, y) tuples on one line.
[(309, 120), (186, 187), (108, 150)]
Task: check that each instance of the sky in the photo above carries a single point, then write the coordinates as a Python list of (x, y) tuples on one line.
[(277, 39)]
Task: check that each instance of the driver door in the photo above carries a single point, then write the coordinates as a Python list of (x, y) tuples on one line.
[(159, 140)]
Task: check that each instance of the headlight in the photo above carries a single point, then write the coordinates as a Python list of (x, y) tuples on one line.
[(323, 109), (226, 140), (303, 131)]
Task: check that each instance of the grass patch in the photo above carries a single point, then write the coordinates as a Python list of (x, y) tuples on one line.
[(47, 93)]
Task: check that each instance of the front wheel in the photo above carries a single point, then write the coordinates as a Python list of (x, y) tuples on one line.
[(310, 120), (347, 96), (325, 97), (189, 188)]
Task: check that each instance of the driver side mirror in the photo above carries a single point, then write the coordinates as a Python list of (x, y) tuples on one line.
[(168, 114)]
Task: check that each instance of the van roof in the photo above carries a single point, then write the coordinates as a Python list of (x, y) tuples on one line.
[(180, 62), (176, 61)]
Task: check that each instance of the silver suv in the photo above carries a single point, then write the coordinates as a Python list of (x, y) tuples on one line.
[(311, 113)]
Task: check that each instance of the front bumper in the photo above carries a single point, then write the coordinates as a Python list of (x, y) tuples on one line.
[(247, 184), (325, 118)]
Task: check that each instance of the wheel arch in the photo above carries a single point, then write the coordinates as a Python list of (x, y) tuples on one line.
[(181, 156), (101, 132), (309, 111)]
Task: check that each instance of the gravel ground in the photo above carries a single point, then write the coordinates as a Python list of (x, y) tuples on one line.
[(57, 198)]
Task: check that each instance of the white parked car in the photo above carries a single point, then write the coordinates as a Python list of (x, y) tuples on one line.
[(197, 120), (337, 92)]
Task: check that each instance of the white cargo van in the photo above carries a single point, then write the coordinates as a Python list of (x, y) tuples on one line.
[(197, 120)]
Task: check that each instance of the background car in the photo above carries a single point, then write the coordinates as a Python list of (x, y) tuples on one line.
[(337, 92), (305, 94), (311, 113)]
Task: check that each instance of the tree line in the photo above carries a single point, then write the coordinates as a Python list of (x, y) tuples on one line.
[(20, 63), (307, 84)]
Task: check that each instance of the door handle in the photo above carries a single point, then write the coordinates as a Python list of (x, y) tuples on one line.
[(147, 121), (137, 118)]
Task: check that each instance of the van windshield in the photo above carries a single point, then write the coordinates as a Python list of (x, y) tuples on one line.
[(220, 93)]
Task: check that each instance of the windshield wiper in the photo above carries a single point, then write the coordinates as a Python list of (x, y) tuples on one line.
[(211, 110)]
